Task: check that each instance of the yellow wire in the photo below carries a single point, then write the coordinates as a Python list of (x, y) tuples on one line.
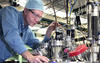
[(69, 6)]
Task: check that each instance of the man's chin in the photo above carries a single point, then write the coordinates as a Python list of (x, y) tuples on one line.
[(31, 25)]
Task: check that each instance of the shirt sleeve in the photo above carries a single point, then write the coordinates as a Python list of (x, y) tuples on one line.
[(46, 39), (32, 41), (10, 30)]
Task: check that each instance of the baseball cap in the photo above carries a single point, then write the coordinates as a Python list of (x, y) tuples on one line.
[(34, 4)]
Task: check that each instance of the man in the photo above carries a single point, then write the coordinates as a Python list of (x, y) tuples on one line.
[(15, 33)]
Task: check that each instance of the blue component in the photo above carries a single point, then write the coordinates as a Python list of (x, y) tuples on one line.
[(53, 62)]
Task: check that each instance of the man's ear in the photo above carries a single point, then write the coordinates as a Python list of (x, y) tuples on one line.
[(25, 11)]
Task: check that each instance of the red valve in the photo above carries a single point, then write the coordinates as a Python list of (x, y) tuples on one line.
[(80, 49)]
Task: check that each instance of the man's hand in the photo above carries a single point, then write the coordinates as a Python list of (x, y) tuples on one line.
[(51, 28), (38, 59), (35, 59)]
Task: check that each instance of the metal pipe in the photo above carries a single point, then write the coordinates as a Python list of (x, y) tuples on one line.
[(54, 10), (89, 11), (66, 9)]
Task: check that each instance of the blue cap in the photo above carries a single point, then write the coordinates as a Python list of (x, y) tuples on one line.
[(34, 4)]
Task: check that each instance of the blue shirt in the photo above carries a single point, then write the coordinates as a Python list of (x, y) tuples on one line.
[(13, 25)]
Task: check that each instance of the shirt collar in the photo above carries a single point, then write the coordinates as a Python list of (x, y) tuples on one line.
[(22, 21)]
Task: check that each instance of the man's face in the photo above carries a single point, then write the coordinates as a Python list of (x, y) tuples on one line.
[(33, 17)]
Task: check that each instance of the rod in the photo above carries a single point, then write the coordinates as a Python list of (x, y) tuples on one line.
[(52, 1), (89, 20), (66, 10)]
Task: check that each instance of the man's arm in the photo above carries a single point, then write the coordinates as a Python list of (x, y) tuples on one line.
[(51, 28)]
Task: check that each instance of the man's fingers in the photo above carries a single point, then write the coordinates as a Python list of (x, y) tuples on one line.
[(39, 61), (44, 59)]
